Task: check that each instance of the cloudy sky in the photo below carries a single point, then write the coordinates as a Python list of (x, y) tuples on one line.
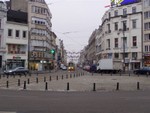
[(74, 20)]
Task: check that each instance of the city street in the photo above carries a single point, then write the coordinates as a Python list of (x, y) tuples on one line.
[(74, 102)]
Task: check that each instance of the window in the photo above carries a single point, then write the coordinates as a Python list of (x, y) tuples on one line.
[(147, 15), (134, 23), (0, 23), (17, 33), (146, 48), (10, 32), (108, 43), (146, 3), (147, 26), (124, 24), (116, 13), (124, 11), (108, 25), (116, 55), (126, 55), (0, 41), (133, 9), (116, 42), (24, 34), (134, 55), (116, 26), (134, 41), (147, 37)]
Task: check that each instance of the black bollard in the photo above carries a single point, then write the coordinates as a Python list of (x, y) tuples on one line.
[(94, 87), (24, 87), (0, 76), (50, 78), (7, 84), (138, 85), (37, 80), (129, 74), (117, 88), (68, 86), (46, 86), (56, 77), (28, 81), (18, 82)]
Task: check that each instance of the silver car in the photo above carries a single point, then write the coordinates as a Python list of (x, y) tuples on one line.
[(17, 70)]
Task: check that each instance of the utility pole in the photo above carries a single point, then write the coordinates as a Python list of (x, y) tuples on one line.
[(124, 28)]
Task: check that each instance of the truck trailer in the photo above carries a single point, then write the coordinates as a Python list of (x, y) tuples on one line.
[(107, 66)]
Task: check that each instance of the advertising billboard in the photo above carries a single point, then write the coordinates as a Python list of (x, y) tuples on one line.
[(123, 2)]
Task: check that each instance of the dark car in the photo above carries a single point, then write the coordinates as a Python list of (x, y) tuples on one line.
[(144, 70), (17, 70), (93, 68)]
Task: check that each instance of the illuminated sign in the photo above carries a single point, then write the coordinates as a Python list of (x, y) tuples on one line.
[(123, 2)]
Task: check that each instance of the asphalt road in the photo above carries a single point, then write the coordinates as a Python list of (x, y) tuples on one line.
[(74, 102)]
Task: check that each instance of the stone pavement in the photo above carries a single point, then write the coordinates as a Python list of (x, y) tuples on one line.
[(85, 83)]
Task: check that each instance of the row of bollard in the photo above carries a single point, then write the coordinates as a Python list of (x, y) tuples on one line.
[(68, 88), (71, 76), (50, 78)]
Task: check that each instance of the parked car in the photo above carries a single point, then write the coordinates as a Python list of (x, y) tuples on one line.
[(86, 68), (93, 69), (144, 70), (64, 67), (17, 70)]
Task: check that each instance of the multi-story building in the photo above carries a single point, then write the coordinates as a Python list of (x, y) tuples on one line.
[(16, 39), (146, 32), (3, 17), (41, 38), (120, 36)]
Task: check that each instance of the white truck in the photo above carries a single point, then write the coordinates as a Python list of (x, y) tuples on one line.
[(108, 66)]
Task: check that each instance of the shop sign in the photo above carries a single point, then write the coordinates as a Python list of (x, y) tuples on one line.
[(17, 58)]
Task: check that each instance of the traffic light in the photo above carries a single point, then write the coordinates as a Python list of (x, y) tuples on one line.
[(52, 51)]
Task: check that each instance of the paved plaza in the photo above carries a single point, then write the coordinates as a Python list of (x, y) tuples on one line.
[(77, 82)]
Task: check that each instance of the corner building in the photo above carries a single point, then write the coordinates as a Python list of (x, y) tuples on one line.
[(40, 34), (146, 33), (120, 36)]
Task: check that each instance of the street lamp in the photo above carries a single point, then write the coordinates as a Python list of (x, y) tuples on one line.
[(124, 38)]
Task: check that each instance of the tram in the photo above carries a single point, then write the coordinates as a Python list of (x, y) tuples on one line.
[(71, 66)]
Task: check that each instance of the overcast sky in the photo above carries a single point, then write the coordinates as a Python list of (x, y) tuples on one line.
[(73, 21)]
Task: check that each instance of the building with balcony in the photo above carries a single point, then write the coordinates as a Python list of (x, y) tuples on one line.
[(40, 34), (16, 39), (3, 17), (120, 36), (146, 33)]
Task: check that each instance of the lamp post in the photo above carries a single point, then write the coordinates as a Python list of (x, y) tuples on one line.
[(123, 31)]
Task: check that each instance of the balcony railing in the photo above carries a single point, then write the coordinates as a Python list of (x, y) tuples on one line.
[(16, 52)]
